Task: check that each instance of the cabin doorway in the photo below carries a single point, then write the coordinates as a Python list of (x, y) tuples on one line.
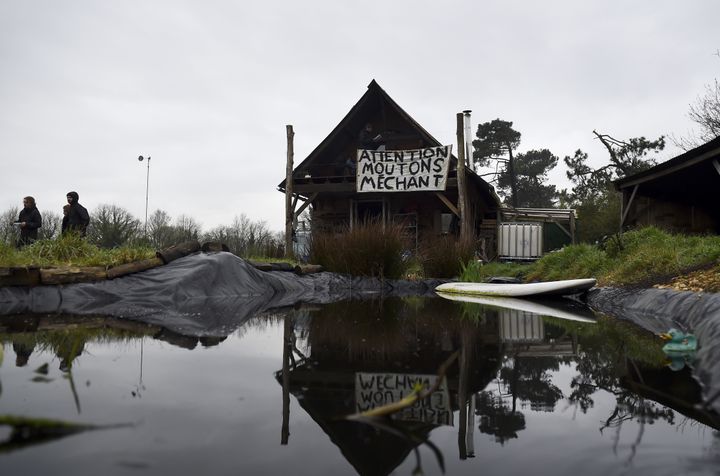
[(363, 211)]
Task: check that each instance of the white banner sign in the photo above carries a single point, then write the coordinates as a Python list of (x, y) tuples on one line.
[(403, 170), (376, 389)]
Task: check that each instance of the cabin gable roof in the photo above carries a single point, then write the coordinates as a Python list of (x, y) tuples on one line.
[(376, 106)]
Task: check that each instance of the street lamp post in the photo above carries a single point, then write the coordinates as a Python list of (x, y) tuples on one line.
[(147, 189)]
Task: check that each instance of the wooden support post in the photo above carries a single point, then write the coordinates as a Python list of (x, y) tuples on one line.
[(627, 207), (289, 211), (305, 205), (462, 205)]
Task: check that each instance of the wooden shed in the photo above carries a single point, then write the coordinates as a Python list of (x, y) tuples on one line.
[(679, 195), (327, 178)]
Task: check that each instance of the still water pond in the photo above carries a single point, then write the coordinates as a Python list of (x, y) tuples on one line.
[(522, 393)]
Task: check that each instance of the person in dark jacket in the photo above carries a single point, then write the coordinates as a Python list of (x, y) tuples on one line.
[(29, 221), (77, 218)]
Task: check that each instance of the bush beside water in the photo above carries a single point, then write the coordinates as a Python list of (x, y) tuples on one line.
[(371, 249), (445, 256)]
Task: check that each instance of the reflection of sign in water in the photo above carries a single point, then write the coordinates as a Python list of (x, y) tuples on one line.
[(403, 170), (374, 390)]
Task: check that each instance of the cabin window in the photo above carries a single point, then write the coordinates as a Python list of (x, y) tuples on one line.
[(448, 224)]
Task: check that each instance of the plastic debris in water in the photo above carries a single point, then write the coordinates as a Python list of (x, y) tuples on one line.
[(679, 348)]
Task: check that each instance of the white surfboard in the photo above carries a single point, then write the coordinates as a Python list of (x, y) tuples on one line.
[(535, 307), (547, 288)]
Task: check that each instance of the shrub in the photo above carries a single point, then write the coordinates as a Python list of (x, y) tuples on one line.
[(445, 256), (368, 249)]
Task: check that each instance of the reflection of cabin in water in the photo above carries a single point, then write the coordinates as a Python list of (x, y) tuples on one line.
[(344, 340), (679, 195), (326, 179)]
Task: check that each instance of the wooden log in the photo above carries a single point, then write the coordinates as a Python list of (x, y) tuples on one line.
[(282, 267), (69, 275), (178, 251), (210, 246), (20, 276), (260, 265), (134, 267), (308, 268)]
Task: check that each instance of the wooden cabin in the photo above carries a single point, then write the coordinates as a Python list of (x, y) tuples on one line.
[(679, 195), (327, 178)]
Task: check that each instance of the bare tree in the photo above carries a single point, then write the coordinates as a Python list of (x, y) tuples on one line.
[(160, 229), (9, 232), (244, 237), (185, 229), (51, 223), (112, 226)]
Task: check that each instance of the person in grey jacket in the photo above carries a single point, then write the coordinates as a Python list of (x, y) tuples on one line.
[(29, 221), (77, 218)]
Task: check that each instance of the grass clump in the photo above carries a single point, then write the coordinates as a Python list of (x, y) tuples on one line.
[(445, 256), (638, 257), (641, 255), (368, 249), (478, 272), (575, 261), (71, 250)]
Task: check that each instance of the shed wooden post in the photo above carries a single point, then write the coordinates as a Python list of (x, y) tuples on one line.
[(289, 211), (462, 205)]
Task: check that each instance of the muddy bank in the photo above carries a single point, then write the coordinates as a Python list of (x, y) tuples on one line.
[(658, 310)]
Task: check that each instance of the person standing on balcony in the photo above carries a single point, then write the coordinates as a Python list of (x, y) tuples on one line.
[(369, 140)]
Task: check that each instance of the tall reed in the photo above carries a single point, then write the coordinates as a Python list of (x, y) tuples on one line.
[(368, 249)]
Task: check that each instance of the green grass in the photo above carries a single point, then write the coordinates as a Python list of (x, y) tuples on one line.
[(477, 272), (70, 250), (576, 261), (636, 257)]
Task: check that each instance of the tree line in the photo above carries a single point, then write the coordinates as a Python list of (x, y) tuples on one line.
[(112, 226)]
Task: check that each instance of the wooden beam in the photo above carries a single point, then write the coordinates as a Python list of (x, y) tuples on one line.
[(307, 203), (562, 228), (448, 203), (627, 207)]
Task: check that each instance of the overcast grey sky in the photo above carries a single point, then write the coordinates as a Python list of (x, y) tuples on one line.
[(206, 88)]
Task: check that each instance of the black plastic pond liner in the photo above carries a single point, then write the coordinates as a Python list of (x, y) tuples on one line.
[(659, 310), (204, 294)]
